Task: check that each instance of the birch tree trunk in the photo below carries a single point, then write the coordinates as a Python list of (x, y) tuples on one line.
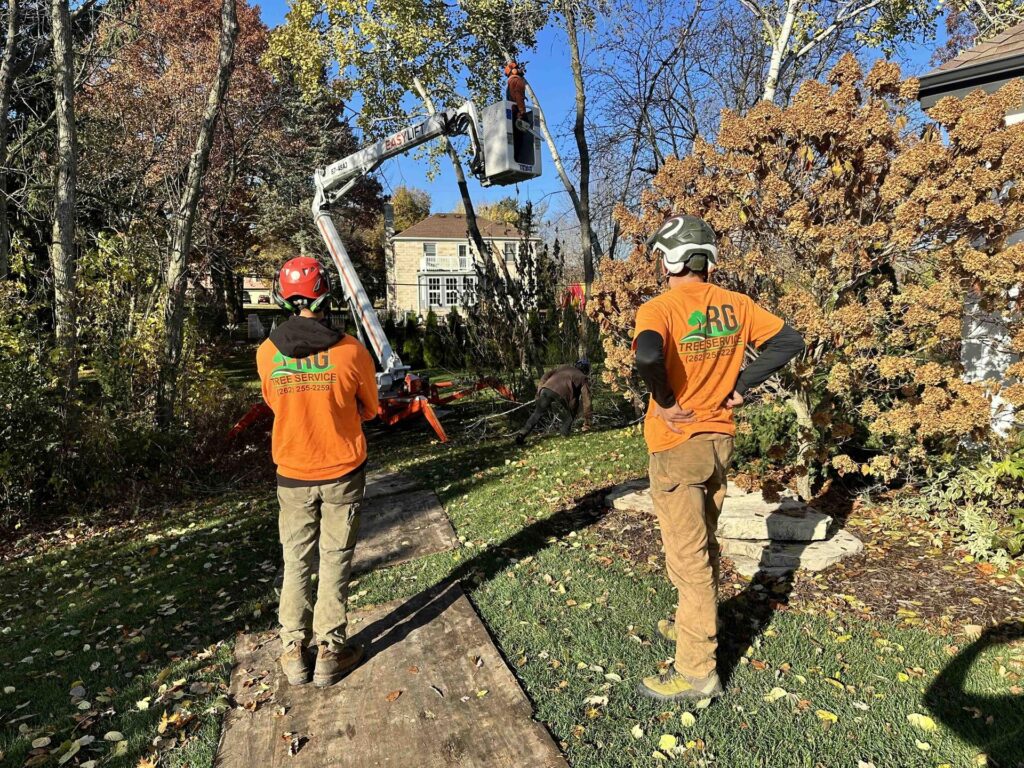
[(176, 275), (62, 232), (556, 157), (779, 45), (6, 84), (460, 177), (587, 240)]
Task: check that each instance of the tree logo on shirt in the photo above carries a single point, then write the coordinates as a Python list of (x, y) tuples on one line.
[(290, 366), (715, 323)]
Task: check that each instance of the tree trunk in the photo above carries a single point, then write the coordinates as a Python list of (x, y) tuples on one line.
[(587, 239), (460, 177), (6, 83), (807, 442), (390, 275), (556, 157), (779, 46), (232, 294), (62, 233), (176, 275)]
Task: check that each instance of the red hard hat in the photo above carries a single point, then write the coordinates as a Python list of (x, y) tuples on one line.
[(302, 282)]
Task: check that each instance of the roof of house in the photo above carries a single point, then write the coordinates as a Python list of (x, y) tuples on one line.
[(987, 65), (452, 226)]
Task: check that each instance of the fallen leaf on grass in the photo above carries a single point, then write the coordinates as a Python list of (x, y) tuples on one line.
[(703, 704), (923, 722), (113, 736), (924, 746), (826, 716), (597, 701), (687, 719), (667, 742), (775, 694), (636, 732), (393, 696), (42, 741)]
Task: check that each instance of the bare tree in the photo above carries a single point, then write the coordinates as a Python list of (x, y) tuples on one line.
[(591, 248), (796, 28), (176, 275), (62, 239), (6, 85)]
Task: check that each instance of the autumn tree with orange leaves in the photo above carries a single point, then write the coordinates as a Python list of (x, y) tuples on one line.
[(871, 240)]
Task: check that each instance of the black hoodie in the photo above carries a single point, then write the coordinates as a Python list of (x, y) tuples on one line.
[(303, 336)]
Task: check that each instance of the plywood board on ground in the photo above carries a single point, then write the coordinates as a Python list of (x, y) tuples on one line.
[(433, 692)]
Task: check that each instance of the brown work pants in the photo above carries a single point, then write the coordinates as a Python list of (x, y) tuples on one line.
[(688, 486), (318, 520)]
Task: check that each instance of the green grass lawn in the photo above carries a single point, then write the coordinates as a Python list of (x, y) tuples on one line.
[(143, 620)]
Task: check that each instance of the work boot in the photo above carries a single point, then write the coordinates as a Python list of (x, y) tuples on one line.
[(333, 665), (673, 686), (295, 664)]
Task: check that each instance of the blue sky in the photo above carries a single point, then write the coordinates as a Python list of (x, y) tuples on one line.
[(548, 74)]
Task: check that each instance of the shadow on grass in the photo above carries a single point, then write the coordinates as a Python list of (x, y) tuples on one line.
[(744, 616), (967, 714)]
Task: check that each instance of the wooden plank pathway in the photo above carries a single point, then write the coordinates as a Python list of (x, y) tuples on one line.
[(433, 690)]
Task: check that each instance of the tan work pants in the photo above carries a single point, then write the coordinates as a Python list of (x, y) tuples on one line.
[(688, 486), (324, 517)]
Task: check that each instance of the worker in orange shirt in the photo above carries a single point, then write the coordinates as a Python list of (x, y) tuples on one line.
[(515, 90), (321, 385), (689, 344)]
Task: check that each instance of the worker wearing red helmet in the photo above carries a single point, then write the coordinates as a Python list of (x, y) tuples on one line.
[(516, 88), (321, 385)]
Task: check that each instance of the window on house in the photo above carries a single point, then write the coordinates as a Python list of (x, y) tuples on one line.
[(430, 255), (510, 252), (463, 256), (434, 291), (451, 291), (469, 290)]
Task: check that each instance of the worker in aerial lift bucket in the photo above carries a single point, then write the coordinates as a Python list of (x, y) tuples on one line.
[(515, 90), (689, 344), (567, 386), (321, 385)]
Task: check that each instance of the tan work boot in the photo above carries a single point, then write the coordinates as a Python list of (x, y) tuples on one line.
[(673, 686), (295, 664), (333, 665)]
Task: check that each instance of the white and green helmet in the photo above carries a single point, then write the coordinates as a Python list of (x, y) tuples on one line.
[(685, 242)]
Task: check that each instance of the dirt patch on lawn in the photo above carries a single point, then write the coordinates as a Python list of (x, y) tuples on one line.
[(908, 572)]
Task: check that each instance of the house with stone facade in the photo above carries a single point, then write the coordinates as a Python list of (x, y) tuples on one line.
[(433, 264)]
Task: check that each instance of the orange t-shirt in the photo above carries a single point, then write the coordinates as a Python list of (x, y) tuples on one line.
[(705, 331), (319, 403)]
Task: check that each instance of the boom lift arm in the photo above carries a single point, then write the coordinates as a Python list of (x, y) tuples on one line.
[(334, 182), (505, 149)]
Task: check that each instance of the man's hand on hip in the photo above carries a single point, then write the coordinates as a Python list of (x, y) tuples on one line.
[(735, 400), (674, 415)]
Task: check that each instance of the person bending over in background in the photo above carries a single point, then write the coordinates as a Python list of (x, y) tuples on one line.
[(689, 345), (321, 385), (568, 386)]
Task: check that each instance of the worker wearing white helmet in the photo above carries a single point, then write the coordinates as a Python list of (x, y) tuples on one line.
[(690, 343)]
